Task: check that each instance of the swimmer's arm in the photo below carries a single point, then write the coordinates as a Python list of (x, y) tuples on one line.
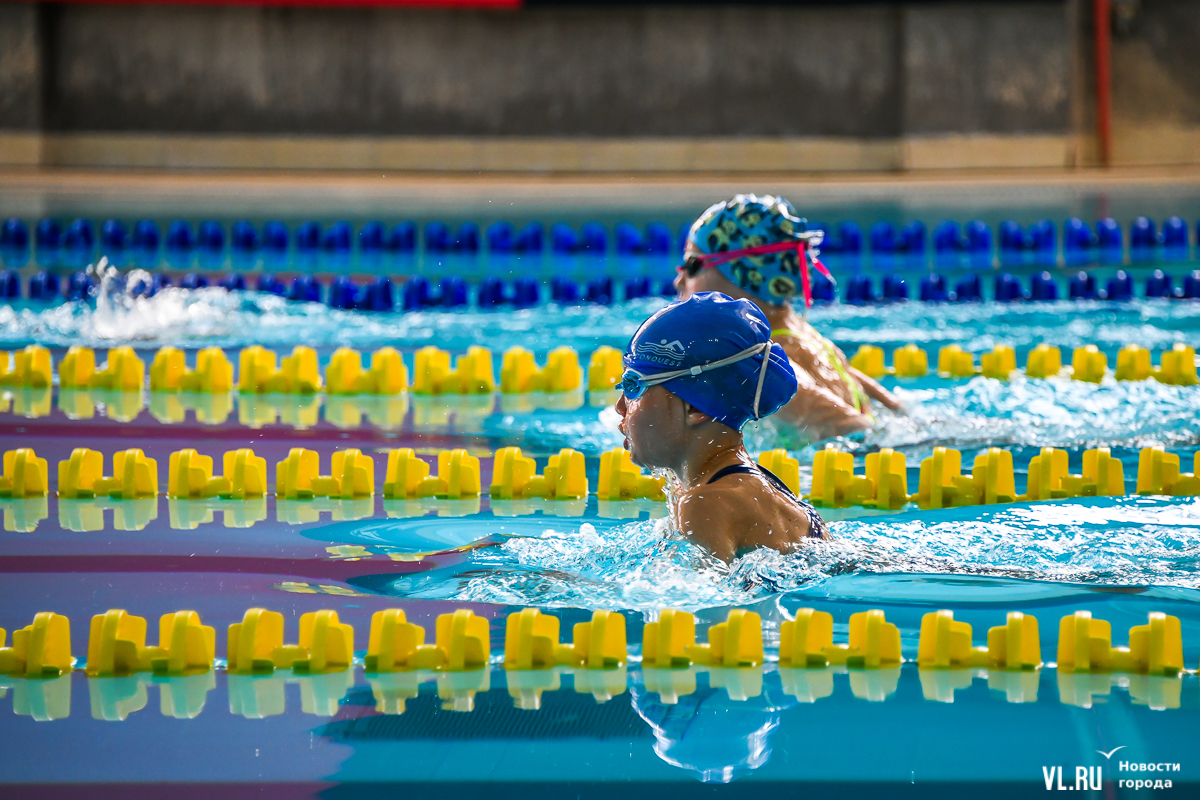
[(823, 413), (877, 392)]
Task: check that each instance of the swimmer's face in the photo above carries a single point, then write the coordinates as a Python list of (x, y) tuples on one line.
[(655, 427)]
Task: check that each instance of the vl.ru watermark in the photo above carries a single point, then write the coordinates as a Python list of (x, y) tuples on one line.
[(1058, 778)]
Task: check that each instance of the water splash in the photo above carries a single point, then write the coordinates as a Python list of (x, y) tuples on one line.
[(213, 316), (643, 566)]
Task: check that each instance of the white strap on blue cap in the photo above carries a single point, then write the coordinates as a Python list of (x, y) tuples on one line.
[(763, 347)]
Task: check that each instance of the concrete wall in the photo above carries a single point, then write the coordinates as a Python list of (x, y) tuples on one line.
[(1156, 83), (540, 72), (888, 85), (857, 70), (21, 55)]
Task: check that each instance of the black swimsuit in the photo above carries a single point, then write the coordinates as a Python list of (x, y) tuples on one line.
[(816, 525)]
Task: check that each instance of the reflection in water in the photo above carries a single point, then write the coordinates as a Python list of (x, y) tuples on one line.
[(707, 731)]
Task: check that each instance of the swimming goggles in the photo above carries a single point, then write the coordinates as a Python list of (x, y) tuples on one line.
[(801, 245), (634, 384)]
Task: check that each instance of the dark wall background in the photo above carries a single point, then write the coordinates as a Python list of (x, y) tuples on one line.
[(1156, 63), (858, 70)]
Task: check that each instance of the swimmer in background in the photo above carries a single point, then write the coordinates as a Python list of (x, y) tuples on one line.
[(695, 373), (752, 248)]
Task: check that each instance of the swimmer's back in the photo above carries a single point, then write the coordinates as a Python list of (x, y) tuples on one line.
[(816, 525), (742, 507)]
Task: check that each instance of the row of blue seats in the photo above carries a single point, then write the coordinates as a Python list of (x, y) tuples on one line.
[(1007, 288), (418, 292), (949, 238), (378, 294)]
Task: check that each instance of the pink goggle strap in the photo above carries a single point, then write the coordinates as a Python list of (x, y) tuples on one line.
[(801, 248)]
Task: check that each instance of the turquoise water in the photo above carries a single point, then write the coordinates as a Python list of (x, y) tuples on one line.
[(873, 734), (644, 566)]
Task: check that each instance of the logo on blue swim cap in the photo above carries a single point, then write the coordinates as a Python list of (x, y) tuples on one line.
[(662, 353), (719, 345)]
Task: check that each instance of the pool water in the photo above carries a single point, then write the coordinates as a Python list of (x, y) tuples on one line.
[(826, 732)]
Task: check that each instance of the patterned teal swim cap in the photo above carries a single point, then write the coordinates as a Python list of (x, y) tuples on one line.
[(749, 221)]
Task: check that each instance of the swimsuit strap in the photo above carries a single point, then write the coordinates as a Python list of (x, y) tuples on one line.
[(857, 395), (816, 525)]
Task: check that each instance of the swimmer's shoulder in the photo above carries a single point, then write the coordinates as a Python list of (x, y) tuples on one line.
[(747, 508)]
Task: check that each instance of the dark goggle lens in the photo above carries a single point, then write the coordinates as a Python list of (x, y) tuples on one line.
[(692, 266)]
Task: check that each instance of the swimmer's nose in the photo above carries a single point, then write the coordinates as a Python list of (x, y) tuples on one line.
[(680, 277)]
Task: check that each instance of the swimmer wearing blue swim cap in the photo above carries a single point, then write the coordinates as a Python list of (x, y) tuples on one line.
[(757, 249), (695, 373)]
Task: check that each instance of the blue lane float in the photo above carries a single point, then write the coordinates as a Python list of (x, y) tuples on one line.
[(416, 294), (377, 295), (1043, 287), (269, 284), (80, 236), (305, 289), (275, 237), (402, 237), (1082, 287), (10, 284), (933, 289), (1175, 233), (1119, 288), (244, 237), (1007, 289), (180, 237), (146, 236), (193, 280), (968, 290), (894, 289), (599, 290), (947, 238), (211, 236), (80, 286), (48, 235), (975, 238), (564, 290), (14, 235), (114, 236), (1191, 286), (233, 282), (308, 237), (1108, 234), (1159, 284), (337, 238), (858, 291), (45, 287)]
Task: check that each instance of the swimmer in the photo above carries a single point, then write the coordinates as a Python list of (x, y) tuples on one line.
[(751, 248), (695, 373)]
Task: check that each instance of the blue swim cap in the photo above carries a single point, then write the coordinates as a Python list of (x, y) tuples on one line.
[(705, 329), (749, 221)]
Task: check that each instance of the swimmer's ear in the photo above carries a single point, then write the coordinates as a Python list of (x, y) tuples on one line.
[(695, 416)]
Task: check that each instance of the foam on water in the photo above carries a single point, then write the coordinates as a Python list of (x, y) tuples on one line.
[(644, 566)]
